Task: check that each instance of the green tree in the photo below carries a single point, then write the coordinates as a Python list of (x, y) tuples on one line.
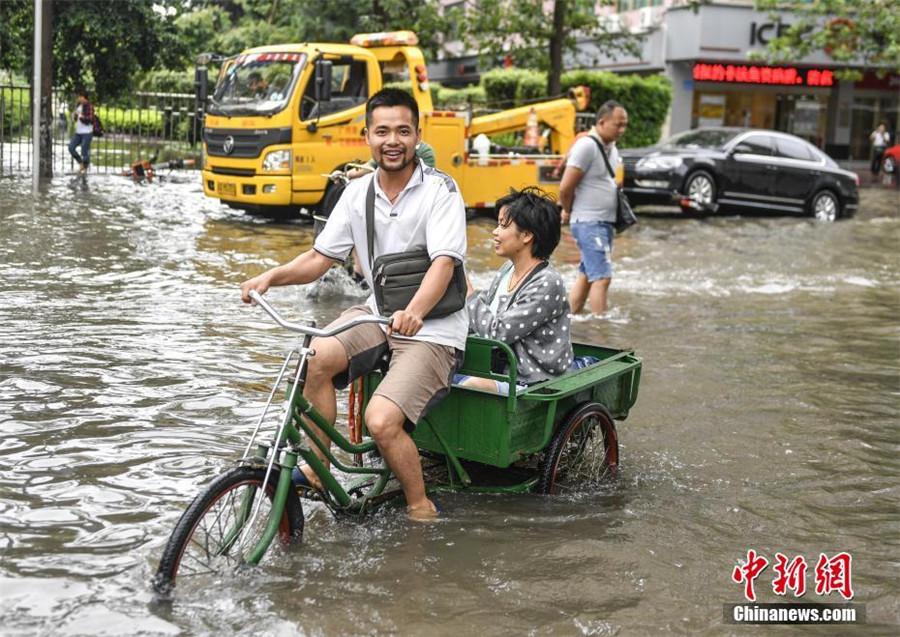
[(229, 27), (539, 34), (852, 32), (102, 43)]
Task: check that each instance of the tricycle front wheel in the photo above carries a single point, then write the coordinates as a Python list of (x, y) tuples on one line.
[(205, 541), (583, 451)]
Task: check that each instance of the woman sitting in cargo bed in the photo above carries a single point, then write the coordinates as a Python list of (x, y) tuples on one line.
[(526, 305)]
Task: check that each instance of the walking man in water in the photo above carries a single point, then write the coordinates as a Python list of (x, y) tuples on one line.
[(84, 131), (416, 207), (589, 199)]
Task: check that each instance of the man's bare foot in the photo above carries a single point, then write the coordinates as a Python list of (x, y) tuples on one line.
[(423, 513)]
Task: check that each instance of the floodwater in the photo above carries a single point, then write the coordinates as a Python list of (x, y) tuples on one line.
[(130, 375)]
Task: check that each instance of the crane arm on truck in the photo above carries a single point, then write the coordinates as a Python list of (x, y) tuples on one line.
[(558, 115)]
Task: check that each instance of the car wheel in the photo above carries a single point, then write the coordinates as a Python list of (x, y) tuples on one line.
[(825, 206), (888, 165), (701, 187)]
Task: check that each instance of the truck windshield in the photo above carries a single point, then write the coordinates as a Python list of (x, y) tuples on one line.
[(257, 84)]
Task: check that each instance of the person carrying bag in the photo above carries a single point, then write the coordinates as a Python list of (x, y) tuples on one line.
[(625, 217), (398, 276)]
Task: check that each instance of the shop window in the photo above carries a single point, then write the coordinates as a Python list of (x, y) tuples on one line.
[(793, 149)]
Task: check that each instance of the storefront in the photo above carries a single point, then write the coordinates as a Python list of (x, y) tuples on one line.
[(715, 82), (707, 53)]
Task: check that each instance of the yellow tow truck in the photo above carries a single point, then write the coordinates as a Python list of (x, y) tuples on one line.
[(281, 116)]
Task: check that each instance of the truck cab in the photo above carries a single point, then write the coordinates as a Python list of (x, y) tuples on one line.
[(281, 118)]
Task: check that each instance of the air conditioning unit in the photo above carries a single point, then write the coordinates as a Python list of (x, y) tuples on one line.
[(645, 18), (611, 23)]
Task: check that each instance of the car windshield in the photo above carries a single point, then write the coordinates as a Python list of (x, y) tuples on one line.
[(257, 84), (701, 138)]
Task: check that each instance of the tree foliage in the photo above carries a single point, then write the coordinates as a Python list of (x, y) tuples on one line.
[(102, 44), (538, 34), (229, 27), (852, 32)]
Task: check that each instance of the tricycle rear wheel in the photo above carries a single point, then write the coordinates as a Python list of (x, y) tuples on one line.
[(583, 451)]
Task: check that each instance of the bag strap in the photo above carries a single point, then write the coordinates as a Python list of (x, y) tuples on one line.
[(609, 170), (370, 222)]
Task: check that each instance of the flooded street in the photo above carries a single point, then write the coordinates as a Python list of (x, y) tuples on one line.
[(130, 375)]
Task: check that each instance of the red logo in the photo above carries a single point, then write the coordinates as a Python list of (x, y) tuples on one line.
[(832, 575), (748, 572)]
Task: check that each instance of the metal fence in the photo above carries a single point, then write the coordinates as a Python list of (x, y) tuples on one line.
[(164, 124)]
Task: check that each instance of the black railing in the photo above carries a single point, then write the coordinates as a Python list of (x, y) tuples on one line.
[(167, 125)]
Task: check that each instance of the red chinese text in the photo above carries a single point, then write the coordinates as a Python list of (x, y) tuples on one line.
[(748, 572), (833, 575)]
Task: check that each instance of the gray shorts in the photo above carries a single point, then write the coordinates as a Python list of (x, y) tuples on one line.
[(418, 376)]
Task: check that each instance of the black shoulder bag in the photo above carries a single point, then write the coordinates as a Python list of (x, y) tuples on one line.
[(396, 277), (624, 214)]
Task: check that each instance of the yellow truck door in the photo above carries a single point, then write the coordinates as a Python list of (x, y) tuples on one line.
[(330, 133)]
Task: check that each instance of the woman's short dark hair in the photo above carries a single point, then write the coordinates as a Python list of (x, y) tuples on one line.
[(534, 211), (392, 97)]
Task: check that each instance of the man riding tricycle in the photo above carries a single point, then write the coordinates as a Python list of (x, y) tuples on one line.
[(514, 407)]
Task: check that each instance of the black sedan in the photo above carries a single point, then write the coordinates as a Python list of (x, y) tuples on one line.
[(708, 168)]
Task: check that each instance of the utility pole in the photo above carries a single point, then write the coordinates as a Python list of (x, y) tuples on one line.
[(42, 85)]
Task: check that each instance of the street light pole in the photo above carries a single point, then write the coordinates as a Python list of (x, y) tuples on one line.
[(36, 94), (42, 90)]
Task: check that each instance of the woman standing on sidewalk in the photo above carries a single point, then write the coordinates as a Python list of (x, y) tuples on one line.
[(84, 131)]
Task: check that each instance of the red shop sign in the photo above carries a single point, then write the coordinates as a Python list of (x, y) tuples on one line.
[(767, 75)]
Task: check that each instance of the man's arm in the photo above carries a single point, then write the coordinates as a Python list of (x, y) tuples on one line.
[(570, 180), (306, 268), (409, 321)]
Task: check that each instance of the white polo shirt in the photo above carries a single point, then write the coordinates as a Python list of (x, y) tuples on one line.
[(429, 213)]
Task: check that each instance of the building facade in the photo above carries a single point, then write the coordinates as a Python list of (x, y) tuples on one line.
[(706, 54)]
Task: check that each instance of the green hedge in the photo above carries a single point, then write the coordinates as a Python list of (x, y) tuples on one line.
[(457, 98), (446, 98), (502, 85), (646, 98), (130, 120), (166, 81), (16, 110)]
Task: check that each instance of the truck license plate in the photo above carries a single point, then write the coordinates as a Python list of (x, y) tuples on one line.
[(226, 188)]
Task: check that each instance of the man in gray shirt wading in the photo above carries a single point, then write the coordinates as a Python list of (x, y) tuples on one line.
[(587, 193)]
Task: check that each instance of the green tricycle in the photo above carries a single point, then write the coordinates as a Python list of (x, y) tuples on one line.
[(554, 437)]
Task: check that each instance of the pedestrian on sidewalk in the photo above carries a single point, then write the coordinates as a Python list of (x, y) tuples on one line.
[(880, 139), (84, 131)]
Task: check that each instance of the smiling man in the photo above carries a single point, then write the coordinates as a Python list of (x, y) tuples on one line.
[(416, 207)]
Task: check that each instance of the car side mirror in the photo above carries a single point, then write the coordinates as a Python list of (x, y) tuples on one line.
[(322, 81), (742, 148)]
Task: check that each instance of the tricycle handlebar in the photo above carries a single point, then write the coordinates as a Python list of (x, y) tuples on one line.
[(312, 331)]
